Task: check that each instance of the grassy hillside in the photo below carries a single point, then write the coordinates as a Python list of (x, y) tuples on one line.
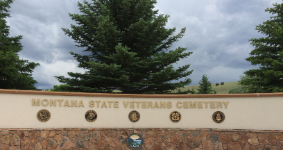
[(220, 89)]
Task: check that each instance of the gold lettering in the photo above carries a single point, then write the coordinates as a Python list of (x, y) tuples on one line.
[(138, 104), (109, 102), (91, 104), (103, 104), (97, 102), (219, 104), (67, 103), (156, 104), (46, 102), (169, 105), (126, 104), (149, 104), (81, 103), (200, 105), (186, 104), (116, 104), (132, 105), (35, 102), (60, 102), (143, 104), (205, 103), (212, 104), (193, 104), (53, 102), (162, 104), (226, 104), (177, 104), (74, 103)]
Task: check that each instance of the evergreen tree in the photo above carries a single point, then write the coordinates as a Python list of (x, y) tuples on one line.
[(205, 86), (14, 72), (61, 88), (127, 48), (268, 54), (193, 91)]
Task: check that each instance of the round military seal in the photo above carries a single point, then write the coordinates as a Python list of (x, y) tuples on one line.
[(43, 115), (218, 117), (134, 141), (175, 116), (90, 115), (134, 116)]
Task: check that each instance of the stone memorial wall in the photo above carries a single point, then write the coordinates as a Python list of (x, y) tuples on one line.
[(153, 139), (62, 120)]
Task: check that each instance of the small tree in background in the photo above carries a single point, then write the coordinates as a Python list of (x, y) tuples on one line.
[(193, 91), (61, 88), (268, 54), (14, 72), (205, 86)]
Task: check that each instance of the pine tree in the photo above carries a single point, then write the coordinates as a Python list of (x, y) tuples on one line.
[(14, 73), (268, 54), (127, 48), (205, 86)]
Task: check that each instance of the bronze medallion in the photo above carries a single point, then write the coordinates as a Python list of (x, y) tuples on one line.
[(218, 117), (134, 116), (43, 115), (91, 116), (175, 116)]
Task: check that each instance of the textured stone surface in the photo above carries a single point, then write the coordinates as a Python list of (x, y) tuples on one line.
[(235, 136), (44, 144), (272, 140), (247, 146), (234, 146), (16, 140), (263, 138), (6, 139), (154, 139), (279, 136), (208, 145), (225, 137), (38, 146), (268, 147), (243, 139), (52, 134), (252, 135), (219, 146), (25, 143), (69, 144), (33, 138), (52, 143), (44, 134), (253, 141)]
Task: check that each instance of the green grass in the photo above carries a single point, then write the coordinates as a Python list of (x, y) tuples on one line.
[(220, 89)]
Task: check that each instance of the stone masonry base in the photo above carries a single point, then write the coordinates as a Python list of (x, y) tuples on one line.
[(155, 139)]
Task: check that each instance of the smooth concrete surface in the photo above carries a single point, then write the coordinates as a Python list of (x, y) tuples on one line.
[(242, 112)]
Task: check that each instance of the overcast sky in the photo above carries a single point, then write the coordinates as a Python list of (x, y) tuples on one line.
[(218, 33)]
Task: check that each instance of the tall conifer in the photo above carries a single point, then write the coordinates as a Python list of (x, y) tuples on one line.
[(268, 55), (127, 48), (14, 72)]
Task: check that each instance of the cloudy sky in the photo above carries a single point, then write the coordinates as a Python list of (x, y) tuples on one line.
[(218, 33)]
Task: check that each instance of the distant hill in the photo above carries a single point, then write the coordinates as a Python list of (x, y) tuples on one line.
[(220, 89)]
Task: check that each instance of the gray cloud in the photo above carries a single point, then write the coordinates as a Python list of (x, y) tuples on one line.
[(217, 33)]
